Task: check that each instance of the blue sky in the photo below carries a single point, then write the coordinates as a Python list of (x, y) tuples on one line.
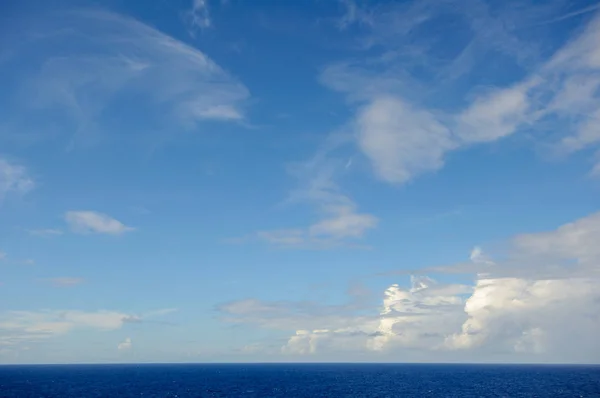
[(192, 181)]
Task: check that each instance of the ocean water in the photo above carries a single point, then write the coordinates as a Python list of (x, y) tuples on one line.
[(299, 380)]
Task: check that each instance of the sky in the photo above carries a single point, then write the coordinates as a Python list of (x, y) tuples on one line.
[(319, 180)]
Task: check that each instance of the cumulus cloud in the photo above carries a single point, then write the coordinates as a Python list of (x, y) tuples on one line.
[(536, 316), (85, 222), (539, 302), (14, 178), (125, 345), (86, 70)]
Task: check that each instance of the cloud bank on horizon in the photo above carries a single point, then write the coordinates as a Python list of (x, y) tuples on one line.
[(313, 195)]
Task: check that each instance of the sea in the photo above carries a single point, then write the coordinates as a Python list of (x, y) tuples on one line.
[(299, 380)]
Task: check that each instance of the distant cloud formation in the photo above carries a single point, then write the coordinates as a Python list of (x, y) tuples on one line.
[(85, 222), (31, 327), (125, 345), (515, 307)]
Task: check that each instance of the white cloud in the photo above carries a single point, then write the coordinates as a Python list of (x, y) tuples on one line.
[(339, 221), (93, 62), (479, 257), (575, 240), (45, 324), (539, 303), (286, 315), (18, 328), (94, 222), (404, 133), (2, 255), (495, 115), (125, 345), (344, 222), (199, 15), (537, 316), (401, 141), (14, 178)]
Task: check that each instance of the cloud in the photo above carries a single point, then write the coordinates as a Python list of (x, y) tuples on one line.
[(16, 326), (2, 255), (495, 115), (353, 14), (519, 315), (24, 327), (537, 302), (85, 222), (401, 141), (125, 345), (94, 64), (65, 281), (45, 232), (288, 315), (404, 126), (337, 222), (14, 178), (199, 15)]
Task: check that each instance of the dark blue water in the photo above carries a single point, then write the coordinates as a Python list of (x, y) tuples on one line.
[(300, 380)]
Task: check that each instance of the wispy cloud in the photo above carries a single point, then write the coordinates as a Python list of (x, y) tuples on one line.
[(93, 62), (18, 328), (338, 221), (405, 130), (14, 178), (199, 16), (85, 222)]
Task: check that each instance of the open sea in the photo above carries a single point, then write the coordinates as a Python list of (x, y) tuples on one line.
[(299, 380)]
